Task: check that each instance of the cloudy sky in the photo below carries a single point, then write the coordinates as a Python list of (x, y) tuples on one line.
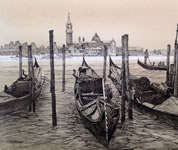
[(149, 23)]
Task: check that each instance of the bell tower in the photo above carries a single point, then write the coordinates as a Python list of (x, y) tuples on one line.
[(69, 32)]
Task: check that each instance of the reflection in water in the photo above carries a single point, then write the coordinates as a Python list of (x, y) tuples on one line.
[(29, 131)]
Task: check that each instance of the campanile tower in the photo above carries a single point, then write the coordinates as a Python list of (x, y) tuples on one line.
[(69, 32)]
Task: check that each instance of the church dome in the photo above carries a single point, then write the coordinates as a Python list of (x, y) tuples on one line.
[(96, 38)]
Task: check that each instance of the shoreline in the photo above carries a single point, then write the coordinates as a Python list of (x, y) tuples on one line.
[(46, 57)]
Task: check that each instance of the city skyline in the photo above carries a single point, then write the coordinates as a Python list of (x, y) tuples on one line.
[(150, 24)]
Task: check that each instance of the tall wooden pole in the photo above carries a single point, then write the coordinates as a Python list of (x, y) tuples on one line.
[(105, 62), (123, 84), (176, 65), (52, 85), (29, 73), (127, 74), (171, 76), (176, 75), (175, 53), (20, 62), (63, 71), (32, 83), (29, 60), (168, 64)]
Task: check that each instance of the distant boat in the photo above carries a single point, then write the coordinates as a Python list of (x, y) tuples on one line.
[(149, 97), (17, 96), (152, 67), (93, 102)]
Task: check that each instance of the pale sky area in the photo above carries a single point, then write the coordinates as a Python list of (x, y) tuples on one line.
[(150, 23)]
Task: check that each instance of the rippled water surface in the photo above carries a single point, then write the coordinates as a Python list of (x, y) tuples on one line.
[(25, 130)]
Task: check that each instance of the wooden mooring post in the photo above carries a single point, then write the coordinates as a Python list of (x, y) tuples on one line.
[(175, 45), (105, 62), (32, 83), (127, 75), (171, 76), (29, 73), (168, 65), (176, 74), (52, 85), (123, 83), (63, 70), (176, 65), (20, 62)]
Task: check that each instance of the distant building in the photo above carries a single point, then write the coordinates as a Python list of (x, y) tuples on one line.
[(6, 46), (93, 47), (69, 32), (11, 45), (55, 48), (25, 49), (133, 51), (17, 44), (34, 48)]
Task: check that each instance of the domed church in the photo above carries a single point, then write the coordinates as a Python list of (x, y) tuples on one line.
[(93, 47)]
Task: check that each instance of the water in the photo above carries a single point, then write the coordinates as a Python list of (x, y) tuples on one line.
[(24, 130)]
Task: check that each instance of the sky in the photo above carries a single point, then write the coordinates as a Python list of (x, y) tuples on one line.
[(150, 24)]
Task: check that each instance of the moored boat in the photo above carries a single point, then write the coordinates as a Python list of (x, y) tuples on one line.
[(94, 104), (152, 67), (17, 96), (149, 97)]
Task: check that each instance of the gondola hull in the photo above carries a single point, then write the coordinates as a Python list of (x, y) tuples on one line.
[(98, 128), (20, 97), (167, 115), (99, 116), (13, 104), (151, 67), (161, 115)]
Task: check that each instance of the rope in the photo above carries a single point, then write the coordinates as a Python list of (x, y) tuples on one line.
[(105, 110)]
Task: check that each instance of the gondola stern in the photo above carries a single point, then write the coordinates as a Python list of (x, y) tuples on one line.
[(36, 63), (84, 63)]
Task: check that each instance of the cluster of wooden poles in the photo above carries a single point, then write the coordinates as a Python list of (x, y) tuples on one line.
[(126, 89), (31, 75), (126, 94), (172, 69), (171, 75), (52, 81), (171, 78)]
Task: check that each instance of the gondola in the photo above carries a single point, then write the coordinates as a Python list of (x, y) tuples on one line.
[(17, 96), (94, 104), (152, 98), (152, 67)]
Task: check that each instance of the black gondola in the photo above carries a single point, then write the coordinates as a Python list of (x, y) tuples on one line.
[(93, 102)]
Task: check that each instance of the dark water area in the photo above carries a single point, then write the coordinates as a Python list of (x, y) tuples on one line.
[(25, 130)]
